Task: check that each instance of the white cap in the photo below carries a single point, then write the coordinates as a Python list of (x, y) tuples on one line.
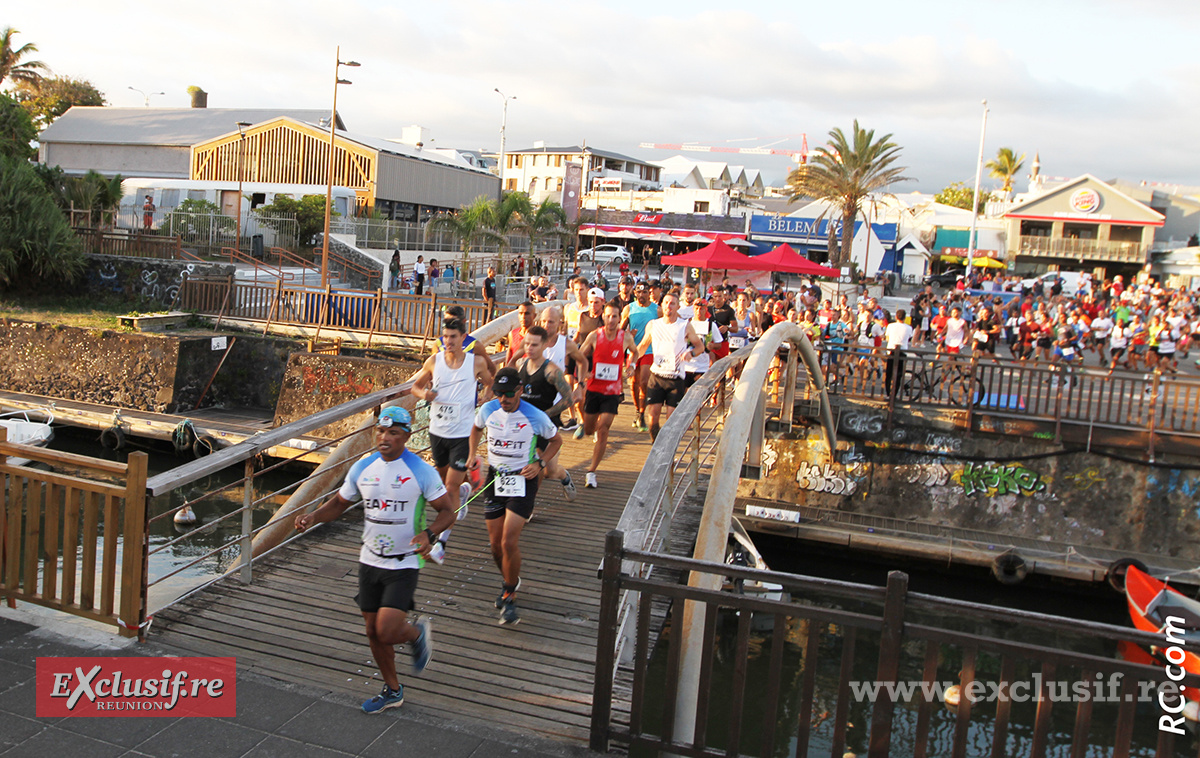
[(596, 292)]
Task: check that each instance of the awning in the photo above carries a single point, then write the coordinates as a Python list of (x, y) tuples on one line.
[(676, 234)]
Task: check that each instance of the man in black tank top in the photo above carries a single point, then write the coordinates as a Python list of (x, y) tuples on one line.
[(543, 382)]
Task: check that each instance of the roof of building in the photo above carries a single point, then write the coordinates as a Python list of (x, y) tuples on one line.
[(577, 150), (182, 127)]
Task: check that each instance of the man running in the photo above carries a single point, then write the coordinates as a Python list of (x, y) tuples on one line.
[(610, 350), (545, 387), (637, 314), (513, 428), (396, 488), (526, 317), (447, 381), (673, 341)]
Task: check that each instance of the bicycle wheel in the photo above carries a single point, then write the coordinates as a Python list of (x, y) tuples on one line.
[(912, 386), (965, 389)]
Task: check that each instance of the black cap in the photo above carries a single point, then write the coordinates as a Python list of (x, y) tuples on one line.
[(507, 379)]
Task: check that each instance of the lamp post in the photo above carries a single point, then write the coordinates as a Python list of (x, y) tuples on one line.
[(241, 125), (503, 128), (146, 97), (329, 187), (975, 197)]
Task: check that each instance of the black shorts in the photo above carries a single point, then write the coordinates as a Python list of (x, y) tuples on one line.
[(385, 588), (454, 452), (1116, 352), (1045, 343), (495, 505), (595, 403), (664, 389)]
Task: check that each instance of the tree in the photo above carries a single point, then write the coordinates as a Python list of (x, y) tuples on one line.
[(1005, 166), (48, 98), (468, 226), (958, 194), (12, 60), (16, 130), (37, 246), (94, 194), (308, 211), (546, 219), (844, 173)]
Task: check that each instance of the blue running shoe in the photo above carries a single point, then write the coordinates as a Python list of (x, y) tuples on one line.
[(509, 615), (505, 594), (422, 646), (389, 698)]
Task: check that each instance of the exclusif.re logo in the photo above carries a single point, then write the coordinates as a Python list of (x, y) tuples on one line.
[(164, 686)]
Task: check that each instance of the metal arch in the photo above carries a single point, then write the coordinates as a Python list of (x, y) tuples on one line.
[(722, 489)]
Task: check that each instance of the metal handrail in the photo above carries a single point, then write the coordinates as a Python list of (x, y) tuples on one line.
[(233, 254), (287, 255)]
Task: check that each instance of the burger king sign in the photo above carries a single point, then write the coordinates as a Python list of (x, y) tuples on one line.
[(1085, 200)]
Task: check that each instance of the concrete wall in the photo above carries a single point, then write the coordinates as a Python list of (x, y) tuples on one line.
[(934, 476), (162, 161), (315, 382), (160, 373), (145, 282)]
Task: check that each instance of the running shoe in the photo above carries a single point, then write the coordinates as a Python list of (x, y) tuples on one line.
[(464, 494), (590, 480), (389, 698), (422, 646), (504, 594), (579, 432), (437, 553), (568, 487), (508, 614), (569, 424)]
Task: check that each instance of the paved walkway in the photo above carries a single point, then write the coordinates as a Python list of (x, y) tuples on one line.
[(274, 718)]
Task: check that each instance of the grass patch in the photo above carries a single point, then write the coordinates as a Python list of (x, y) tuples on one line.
[(85, 311)]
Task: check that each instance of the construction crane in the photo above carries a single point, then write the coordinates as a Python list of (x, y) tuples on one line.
[(799, 156)]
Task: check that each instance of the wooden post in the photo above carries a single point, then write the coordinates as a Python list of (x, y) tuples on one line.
[(217, 370), (970, 393), (225, 303), (430, 321), (12, 602), (377, 316), (134, 556), (1156, 386), (324, 311), (274, 305), (606, 641), (889, 663)]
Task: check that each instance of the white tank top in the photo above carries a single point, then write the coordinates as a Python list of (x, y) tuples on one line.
[(557, 353), (669, 341), (453, 410)]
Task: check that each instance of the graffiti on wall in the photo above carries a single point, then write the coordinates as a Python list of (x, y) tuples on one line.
[(158, 286), (824, 478), (330, 379), (1085, 479), (928, 474), (993, 479), (862, 423), (768, 460)]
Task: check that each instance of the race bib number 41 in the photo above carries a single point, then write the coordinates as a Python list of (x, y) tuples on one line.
[(608, 372)]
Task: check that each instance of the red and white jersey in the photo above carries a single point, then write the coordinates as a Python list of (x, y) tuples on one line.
[(608, 357)]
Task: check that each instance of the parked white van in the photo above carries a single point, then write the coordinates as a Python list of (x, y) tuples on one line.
[(1074, 282)]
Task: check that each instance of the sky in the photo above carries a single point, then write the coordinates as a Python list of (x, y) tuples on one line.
[(1107, 87)]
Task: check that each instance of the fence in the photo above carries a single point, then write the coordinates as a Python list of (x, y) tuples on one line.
[(61, 536), (207, 233), (384, 233), (745, 715), (133, 245)]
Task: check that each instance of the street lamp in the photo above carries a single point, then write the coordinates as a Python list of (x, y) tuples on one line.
[(329, 187), (503, 128), (241, 125), (971, 244), (146, 97)]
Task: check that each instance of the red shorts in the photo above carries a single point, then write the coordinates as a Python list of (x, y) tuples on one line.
[(953, 350), (646, 360)]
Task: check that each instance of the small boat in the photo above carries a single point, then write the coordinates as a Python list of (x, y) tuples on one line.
[(29, 427), (1151, 602), (740, 550)]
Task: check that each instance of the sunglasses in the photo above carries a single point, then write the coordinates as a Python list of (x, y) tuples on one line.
[(510, 393)]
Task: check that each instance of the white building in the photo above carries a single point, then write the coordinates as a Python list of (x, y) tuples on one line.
[(540, 171)]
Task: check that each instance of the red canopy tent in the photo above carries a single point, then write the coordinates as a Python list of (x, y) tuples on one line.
[(784, 258), (714, 255)]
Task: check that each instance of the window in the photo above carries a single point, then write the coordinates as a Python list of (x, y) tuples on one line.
[(558, 185), (510, 185), (534, 160), (257, 199), (196, 194), (558, 161), (700, 206), (170, 198), (549, 182)]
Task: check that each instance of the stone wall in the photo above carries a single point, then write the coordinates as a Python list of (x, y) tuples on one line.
[(147, 283), (315, 382), (1009, 485)]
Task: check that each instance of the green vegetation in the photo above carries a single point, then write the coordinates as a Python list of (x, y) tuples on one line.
[(309, 212), (17, 131), (87, 311), (958, 194), (50, 97), (12, 60), (487, 220), (1005, 166), (37, 246), (844, 173)]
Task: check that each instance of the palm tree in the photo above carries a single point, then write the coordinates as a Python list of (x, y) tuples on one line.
[(1005, 166), (469, 225), (546, 219), (845, 172), (11, 64)]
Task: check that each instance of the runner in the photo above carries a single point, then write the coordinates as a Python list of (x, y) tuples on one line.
[(396, 488), (564, 353), (610, 350), (673, 341), (545, 387), (513, 427), (526, 317), (447, 381), (635, 317)]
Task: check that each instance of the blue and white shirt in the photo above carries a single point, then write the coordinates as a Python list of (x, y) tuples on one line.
[(394, 494), (512, 437)]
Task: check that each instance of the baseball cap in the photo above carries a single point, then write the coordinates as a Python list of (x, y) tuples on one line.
[(627, 280), (596, 292), (643, 284), (395, 416), (507, 380)]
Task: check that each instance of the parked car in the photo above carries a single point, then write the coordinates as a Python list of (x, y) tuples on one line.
[(1074, 282), (605, 254), (947, 278)]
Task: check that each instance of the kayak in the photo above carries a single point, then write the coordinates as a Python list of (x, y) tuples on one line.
[(1151, 602)]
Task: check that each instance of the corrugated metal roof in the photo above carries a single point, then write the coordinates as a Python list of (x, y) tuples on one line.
[(180, 127)]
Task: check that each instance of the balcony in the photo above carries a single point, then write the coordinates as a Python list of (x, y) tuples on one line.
[(1082, 250)]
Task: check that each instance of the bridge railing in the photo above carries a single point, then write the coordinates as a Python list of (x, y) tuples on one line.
[(812, 666)]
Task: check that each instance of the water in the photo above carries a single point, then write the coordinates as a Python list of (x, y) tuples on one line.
[(1061, 599), (208, 534)]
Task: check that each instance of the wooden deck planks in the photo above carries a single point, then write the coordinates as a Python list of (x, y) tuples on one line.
[(298, 621)]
